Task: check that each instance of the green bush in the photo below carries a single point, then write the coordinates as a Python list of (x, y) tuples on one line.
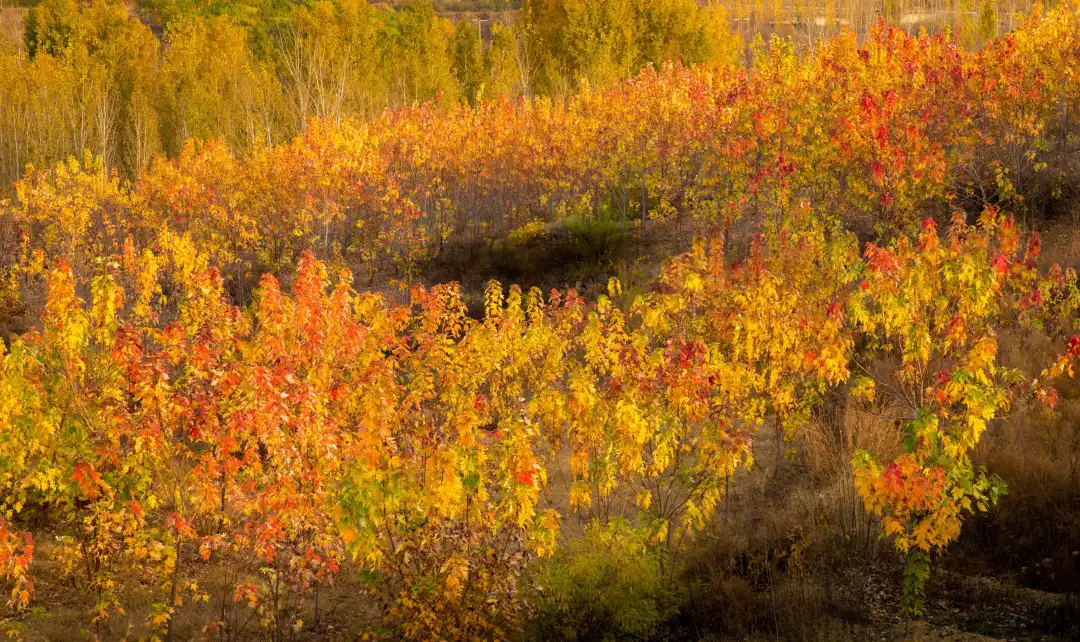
[(607, 585), (599, 231)]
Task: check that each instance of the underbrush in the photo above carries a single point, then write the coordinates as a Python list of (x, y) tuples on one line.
[(607, 585), (1034, 535), (793, 555)]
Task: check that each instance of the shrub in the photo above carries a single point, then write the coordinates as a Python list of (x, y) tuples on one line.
[(606, 585), (599, 232)]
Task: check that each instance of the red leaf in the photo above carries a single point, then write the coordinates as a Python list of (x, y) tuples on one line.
[(878, 172), (1074, 346)]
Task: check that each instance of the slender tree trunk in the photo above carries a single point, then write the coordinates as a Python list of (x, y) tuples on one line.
[(173, 589), (644, 195)]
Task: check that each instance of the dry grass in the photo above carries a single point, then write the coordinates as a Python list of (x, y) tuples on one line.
[(1033, 535), (11, 24), (793, 555), (1061, 240)]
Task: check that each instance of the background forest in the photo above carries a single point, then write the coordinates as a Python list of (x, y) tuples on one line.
[(129, 83)]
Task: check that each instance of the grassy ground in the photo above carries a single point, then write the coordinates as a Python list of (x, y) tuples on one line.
[(11, 23), (790, 556)]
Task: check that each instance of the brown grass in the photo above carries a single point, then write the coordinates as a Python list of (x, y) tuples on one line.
[(11, 25)]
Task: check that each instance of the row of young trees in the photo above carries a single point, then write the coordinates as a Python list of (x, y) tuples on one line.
[(92, 76), (878, 134), (225, 463)]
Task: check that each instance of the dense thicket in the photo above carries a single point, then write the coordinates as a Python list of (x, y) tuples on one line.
[(877, 134), (211, 422)]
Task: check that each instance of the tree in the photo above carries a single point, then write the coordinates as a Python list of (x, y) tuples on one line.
[(417, 55), (468, 63), (502, 73), (329, 57), (212, 87)]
